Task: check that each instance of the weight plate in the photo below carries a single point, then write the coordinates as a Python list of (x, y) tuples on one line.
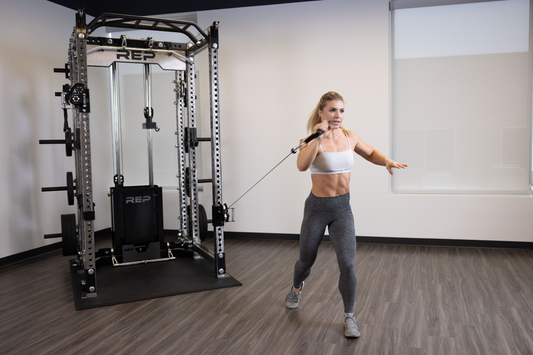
[(69, 235), (202, 223)]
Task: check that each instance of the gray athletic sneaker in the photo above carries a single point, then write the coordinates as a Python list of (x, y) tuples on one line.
[(293, 298), (351, 328)]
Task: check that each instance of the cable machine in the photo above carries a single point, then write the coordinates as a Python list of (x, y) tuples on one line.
[(137, 211)]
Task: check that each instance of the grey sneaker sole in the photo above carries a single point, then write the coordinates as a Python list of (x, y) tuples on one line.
[(351, 335)]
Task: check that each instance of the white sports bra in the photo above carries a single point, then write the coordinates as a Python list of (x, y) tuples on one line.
[(330, 163)]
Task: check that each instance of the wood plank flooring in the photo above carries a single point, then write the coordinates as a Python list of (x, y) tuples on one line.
[(410, 300)]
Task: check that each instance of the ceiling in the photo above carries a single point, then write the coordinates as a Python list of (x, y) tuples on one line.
[(160, 7)]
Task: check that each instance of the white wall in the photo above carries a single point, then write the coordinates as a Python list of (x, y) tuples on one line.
[(275, 62), (35, 40)]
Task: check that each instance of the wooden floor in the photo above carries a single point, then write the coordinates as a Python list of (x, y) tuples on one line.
[(410, 300)]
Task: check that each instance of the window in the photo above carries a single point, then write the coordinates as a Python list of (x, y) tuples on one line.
[(461, 96)]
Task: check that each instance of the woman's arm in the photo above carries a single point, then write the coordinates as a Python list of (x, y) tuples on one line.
[(308, 154), (373, 155)]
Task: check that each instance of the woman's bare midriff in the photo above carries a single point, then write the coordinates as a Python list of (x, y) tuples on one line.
[(330, 185)]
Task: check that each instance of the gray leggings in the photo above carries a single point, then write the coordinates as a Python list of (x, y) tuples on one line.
[(336, 214)]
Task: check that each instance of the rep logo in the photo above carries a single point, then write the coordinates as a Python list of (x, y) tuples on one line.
[(134, 55), (138, 199)]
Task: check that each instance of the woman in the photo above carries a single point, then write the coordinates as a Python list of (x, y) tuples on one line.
[(330, 159)]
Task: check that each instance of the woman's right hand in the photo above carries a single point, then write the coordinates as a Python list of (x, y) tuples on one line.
[(308, 153), (325, 127)]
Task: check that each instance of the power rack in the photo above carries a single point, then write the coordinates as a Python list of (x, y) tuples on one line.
[(137, 216)]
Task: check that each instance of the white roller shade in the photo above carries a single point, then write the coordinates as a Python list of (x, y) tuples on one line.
[(461, 97)]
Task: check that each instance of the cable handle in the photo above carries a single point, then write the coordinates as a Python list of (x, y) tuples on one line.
[(303, 142), (318, 133)]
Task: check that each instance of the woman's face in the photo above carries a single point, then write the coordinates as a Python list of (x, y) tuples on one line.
[(334, 112)]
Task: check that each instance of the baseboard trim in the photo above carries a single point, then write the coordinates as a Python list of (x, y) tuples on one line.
[(458, 243)]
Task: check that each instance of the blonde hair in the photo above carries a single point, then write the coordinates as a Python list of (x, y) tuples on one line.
[(314, 118)]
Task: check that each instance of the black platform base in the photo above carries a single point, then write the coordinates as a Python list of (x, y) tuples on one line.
[(123, 284)]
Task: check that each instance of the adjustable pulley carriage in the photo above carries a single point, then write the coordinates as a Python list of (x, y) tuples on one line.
[(137, 211)]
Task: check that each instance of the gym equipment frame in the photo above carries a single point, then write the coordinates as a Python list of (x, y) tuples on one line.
[(137, 216)]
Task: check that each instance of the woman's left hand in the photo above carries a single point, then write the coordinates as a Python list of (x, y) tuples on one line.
[(392, 164)]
